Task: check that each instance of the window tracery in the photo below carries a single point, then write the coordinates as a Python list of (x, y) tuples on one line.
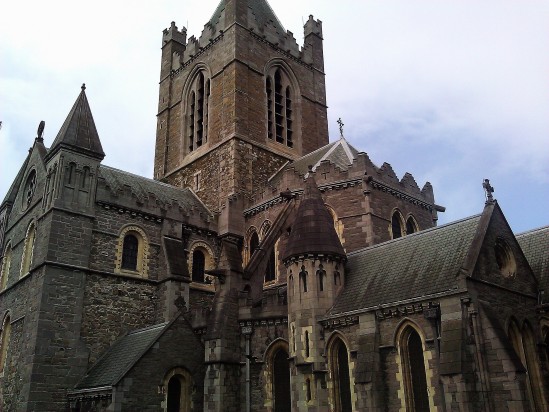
[(28, 192)]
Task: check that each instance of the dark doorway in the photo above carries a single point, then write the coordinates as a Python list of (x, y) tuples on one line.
[(417, 371), (344, 382), (174, 394), (281, 382)]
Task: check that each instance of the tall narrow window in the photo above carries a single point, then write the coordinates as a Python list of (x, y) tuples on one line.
[(129, 252), (199, 264), (321, 273), (280, 110), (30, 187), (396, 225), (415, 379), (307, 345), (303, 278), (197, 111), (411, 226), (6, 264), (253, 244), (4, 342), (174, 394), (270, 273), (339, 367), (28, 250), (308, 393), (281, 382)]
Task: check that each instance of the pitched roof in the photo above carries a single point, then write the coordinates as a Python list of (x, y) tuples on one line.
[(313, 229), (78, 130), (420, 264), (264, 14), (120, 357), (340, 153), (535, 246), (143, 188)]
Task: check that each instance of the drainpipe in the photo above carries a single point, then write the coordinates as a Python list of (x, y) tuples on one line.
[(248, 381)]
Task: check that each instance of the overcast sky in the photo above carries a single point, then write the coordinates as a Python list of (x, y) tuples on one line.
[(451, 91)]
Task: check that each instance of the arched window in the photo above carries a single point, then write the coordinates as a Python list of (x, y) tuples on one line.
[(270, 273), (30, 187), (6, 265), (254, 243), (339, 368), (396, 225), (197, 111), (199, 265), (28, 250), (321, 274), (413, 370), (525, 347), (303, 279), (178, 384), (4, 341), (281, 381), (130, 252), (280, 113), (411, 225)]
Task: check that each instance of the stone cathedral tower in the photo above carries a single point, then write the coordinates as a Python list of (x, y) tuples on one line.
[(237, 103)]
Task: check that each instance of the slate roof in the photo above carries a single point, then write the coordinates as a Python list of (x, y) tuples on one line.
[(120, 357), (416, 265), (535, 246), (340, 153), (261, 9), (78, 130), (143, 189), (313, 229)]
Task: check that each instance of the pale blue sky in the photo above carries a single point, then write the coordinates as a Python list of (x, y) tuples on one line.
[(451, 91)]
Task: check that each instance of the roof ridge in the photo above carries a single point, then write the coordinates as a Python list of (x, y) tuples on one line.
[(158, 325), (529, 231), (419, 233), (144, 177)]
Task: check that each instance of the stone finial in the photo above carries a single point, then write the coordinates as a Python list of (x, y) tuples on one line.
[(341, 124), (40, 131), (83, 87), (489, 190)]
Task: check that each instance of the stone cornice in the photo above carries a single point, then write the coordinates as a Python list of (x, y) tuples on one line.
[(384, 187)]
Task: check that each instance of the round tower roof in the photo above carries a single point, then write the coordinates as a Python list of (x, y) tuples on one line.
[(313, 230)]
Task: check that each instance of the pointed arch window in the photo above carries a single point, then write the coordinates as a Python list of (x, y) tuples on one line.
[(339, 368), (280, 111), (4, 341), (396, 225), (413, 371), (30, 187), (303, 278), (411, 225), (6, 265), (197, 111), (28, 250)]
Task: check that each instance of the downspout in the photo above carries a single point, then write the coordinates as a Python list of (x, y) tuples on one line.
[(248, 380)]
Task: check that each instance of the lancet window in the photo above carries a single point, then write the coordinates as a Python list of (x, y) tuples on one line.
[(197, 111), (280, 107)]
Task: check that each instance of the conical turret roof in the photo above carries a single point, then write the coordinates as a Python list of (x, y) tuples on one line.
[(313, 231), (78, 130), (264, 14)]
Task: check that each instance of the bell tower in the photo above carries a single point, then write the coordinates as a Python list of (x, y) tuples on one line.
[(238, 102)]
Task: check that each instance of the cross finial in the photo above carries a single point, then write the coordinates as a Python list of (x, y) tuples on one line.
[(341, 124), (489, 190), (83, 86)]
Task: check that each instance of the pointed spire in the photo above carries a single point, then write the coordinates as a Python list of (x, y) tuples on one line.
[(78, 131), (238, 11), (313, 231)]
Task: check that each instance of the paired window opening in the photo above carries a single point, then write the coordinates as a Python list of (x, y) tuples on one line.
[(401, 228), (198, 102), (279, 108)]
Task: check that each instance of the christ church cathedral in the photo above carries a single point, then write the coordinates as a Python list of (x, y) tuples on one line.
[(265, 267)]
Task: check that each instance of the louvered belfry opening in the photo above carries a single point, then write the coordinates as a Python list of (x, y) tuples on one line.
[(198, 102), (280, 116)]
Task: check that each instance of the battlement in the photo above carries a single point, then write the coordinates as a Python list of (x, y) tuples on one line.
[(172, 33), (313, 26)]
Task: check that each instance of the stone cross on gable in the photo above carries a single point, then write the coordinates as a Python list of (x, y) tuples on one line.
[(341, 124), (489, 190)]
